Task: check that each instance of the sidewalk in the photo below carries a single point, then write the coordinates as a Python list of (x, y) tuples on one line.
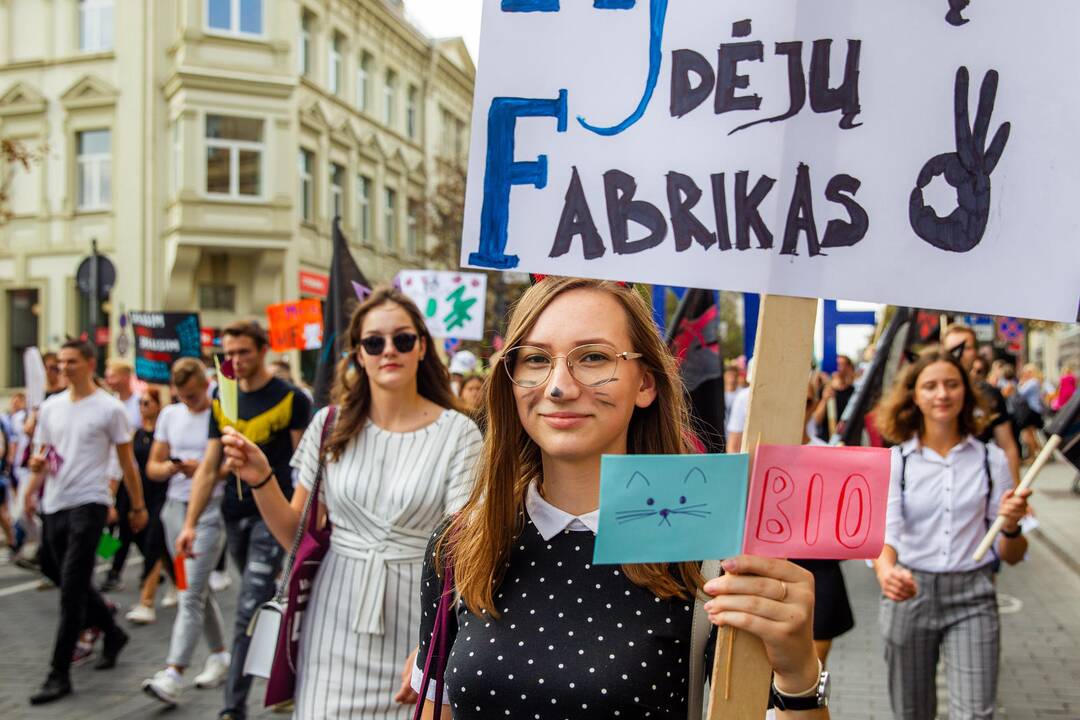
[(1057, 509)]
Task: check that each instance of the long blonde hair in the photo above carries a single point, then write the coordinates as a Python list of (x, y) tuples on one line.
[(479, 539)]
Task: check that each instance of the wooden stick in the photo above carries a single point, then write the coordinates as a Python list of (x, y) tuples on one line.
[(783, 351), (1029, 479)]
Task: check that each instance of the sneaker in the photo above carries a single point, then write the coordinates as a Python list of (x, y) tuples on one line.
[(81, 653), (164, 686), (45, 584), (111, 584), (26, 558), (214, 672), (141, 615), (7, 554), (171, 598), (219, 581)]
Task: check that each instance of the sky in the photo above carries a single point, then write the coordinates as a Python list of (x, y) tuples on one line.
[(448, 18)]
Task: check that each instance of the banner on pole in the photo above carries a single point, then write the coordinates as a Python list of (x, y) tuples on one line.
[(452, 302), (892, 152), (296, 325), (162, 338)]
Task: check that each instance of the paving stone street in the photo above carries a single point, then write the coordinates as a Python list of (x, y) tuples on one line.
[(1040, 666)]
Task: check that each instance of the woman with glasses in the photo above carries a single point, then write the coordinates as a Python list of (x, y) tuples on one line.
[(540, 631), (398, 458)]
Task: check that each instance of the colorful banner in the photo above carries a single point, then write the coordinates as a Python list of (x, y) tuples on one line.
[(162, 338), (452, 302), (296, 325)]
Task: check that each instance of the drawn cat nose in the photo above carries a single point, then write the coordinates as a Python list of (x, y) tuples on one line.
[(664, 512)]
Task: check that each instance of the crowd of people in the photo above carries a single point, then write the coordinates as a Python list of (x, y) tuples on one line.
[(479, 490)]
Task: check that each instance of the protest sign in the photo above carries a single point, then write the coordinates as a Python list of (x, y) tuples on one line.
[(863, 149), (670, 508), (823, 503), (162, 338), (452, 302), (295, 325)]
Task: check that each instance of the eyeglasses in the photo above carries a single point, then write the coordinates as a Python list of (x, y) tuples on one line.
[(376, 344), (589, 365)]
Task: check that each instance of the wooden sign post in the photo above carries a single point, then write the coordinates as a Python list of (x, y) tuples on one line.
[(784, 350)]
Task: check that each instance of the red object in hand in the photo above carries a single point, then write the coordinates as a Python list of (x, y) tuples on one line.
[(228, 370), (179, 572)]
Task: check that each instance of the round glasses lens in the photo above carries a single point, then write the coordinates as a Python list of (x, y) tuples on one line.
[(592, 364), (529, 366)]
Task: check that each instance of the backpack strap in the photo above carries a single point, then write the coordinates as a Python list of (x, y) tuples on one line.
[(700, 630)]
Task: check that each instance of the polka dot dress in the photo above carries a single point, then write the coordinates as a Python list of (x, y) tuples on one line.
[(574, 640)]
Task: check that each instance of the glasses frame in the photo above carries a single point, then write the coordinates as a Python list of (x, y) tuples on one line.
[(569, 365), (393, 339)]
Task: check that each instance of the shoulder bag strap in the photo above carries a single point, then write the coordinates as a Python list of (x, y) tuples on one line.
[(700, 630), (312, 503)]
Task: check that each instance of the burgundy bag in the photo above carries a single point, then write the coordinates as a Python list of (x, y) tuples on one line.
[(307, 553), (439, 647)]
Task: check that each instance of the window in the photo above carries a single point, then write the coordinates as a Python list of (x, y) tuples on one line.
[(307, 185), (215, 296), (412, 112), (333, 68), (390, 219), (93, 169), (234, 154), (363, 81), (23, 313), (389, 97), (363, 208), (337, 190), (304, 50), (238, 17), (95, 25), (412, 229)]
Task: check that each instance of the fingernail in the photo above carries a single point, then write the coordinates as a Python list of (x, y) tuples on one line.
[(729, 565)]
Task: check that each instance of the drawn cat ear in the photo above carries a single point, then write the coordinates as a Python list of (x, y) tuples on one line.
[(637, 476), (696, 474), (911, 356), (958, 351)]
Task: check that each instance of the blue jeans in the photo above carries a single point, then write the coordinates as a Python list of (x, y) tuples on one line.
[(258, 557)]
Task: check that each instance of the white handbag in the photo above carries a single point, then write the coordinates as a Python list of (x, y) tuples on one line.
[(264, 631)]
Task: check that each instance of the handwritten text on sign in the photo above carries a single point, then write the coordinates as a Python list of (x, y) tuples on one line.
[(864, 149), (817, 502)]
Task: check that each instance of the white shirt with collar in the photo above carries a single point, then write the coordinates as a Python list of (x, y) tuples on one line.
[(550, 520), (944, 513)]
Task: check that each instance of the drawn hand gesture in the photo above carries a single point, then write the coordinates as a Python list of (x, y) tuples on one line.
[(968, 170)]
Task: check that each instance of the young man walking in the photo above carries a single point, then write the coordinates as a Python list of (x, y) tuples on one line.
[(273, 415), (75, 435)]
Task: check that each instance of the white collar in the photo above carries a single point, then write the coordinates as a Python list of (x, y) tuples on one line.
[(551, 521), (913, 445)]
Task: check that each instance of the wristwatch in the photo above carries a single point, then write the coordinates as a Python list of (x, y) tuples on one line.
[(819, 698)]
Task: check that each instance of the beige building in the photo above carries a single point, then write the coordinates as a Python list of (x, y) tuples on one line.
[(207, 144)]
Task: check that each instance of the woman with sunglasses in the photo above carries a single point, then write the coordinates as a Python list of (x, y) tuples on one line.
[(398, 458), (540, 631)]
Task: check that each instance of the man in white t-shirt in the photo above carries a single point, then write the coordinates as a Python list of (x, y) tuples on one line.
[(118, 376), (180, 440), (77, 430)]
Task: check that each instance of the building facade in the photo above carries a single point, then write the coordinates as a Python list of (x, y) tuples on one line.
[(207, 145)]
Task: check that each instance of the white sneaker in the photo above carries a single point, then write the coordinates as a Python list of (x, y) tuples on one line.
[(171, 598), (164, 687), (219, 581), (214, 672), (141, 615)]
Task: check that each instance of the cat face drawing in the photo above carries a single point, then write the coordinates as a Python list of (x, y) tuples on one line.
[(664, 503)]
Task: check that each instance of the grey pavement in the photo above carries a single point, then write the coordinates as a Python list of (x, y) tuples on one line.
[(1040, 601)]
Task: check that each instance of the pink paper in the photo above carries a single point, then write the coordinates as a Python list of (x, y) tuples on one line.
[(825, 503)]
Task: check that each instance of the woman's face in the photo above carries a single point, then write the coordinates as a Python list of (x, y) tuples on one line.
[(149, 406), (390, 368), (567, 420), (939, 393), (470, 392)]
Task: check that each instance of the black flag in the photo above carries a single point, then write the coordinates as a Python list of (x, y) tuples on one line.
[(341, 299)]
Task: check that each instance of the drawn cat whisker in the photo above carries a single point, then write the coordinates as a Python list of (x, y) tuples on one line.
[(689, 507), (626, 513), (623, 521)]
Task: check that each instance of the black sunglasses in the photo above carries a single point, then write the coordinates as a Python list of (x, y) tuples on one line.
[(403, 341)]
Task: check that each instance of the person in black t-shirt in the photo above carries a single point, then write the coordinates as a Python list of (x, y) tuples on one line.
[(839, 391), (994, 415), (273, 415)]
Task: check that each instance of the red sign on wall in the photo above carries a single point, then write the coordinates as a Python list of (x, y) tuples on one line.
[(312, 283)]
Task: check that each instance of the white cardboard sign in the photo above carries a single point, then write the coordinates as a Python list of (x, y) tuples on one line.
[(452, 303), (914, 152)]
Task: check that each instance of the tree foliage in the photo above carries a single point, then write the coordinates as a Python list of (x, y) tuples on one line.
[(14, 158)]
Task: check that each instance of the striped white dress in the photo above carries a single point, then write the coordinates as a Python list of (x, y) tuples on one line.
[(385, 495)]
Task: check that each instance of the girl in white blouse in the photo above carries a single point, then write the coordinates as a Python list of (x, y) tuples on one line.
[(946, 490)]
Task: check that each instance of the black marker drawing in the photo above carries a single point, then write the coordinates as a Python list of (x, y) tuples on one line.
[(955, 16), (968, 170), (675, 509)]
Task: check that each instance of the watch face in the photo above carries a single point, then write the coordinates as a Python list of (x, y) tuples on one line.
[(824, 688)]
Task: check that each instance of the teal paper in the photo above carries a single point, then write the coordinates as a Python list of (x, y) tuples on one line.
[(671, 508)]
